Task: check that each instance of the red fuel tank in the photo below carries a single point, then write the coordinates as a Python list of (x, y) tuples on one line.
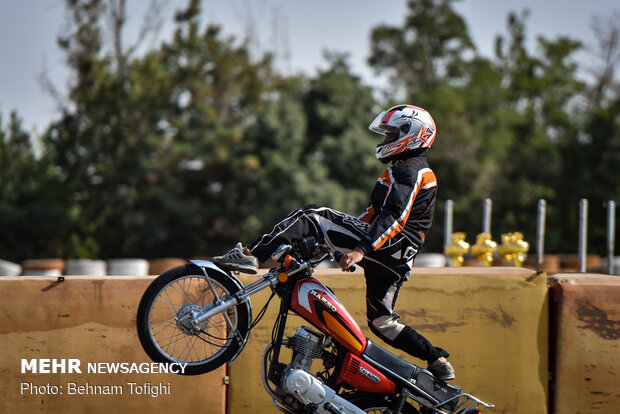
[(319, 306)]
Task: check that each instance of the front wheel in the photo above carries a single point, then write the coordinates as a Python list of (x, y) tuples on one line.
[(175, 297)]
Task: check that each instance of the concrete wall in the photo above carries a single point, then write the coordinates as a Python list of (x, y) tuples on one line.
[(586, 342), (493, 321), (91, 319)]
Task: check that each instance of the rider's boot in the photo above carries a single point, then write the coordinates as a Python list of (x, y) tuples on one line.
[(442, 370), (238, 260)]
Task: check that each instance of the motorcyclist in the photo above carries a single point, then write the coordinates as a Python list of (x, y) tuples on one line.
[(384, 240)]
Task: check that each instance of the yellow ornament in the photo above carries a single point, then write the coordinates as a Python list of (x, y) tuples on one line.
[(483, 249), (457, 249), (514, 249)]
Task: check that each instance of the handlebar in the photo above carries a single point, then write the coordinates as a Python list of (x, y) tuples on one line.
[(338, 256), (295, 266)]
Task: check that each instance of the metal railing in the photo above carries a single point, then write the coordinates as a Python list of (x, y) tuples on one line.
[(540, 230)]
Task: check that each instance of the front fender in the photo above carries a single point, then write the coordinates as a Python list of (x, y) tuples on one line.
[(205, 264)]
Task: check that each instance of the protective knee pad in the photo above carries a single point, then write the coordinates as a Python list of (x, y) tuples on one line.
[(387, 326)]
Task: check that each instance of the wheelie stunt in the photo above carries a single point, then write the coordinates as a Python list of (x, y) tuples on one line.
[(200, 313)]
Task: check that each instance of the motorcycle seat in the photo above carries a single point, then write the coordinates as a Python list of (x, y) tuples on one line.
[(439, 392), (386, 359)]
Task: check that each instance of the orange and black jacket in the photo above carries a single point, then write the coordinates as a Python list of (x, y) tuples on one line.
[(401, 203)]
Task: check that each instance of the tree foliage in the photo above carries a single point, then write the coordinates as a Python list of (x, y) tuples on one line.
[(509, 128), (35, 207), (196, 143)]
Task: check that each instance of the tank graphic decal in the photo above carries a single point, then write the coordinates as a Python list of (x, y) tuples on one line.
[(339, 329), (303, 294), (323, 300), (319, 306)]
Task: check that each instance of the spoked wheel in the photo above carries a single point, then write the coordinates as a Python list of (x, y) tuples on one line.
[(176, 297)]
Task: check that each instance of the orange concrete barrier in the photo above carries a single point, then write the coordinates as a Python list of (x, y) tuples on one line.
[(493, 321), (159, 266), (91, 320), (586, 342)]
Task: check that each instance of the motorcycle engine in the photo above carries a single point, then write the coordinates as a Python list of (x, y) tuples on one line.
[(304, 387), (306, 345)]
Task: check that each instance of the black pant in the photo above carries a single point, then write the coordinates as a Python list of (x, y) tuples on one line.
[(385, 269)]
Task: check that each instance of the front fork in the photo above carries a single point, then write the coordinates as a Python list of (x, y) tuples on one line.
[(221, 306), (275, 367), (271, 368)]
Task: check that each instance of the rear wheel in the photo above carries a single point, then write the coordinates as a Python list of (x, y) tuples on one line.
[(172, 300)]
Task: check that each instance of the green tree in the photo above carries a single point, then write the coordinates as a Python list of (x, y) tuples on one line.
[(511, 128), (433, 63), (426, 51), (150, 147), (36, 220), (310, 145), (195, 144), (590, 154), (339, 109), (545, 94)]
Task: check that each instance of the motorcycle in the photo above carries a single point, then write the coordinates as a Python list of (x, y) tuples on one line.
[(200, 314)]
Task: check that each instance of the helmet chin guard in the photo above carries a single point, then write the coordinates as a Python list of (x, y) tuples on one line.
[(412, 127)]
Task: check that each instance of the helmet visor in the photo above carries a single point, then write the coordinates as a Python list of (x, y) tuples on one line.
[(409, 127), (374, 125)]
